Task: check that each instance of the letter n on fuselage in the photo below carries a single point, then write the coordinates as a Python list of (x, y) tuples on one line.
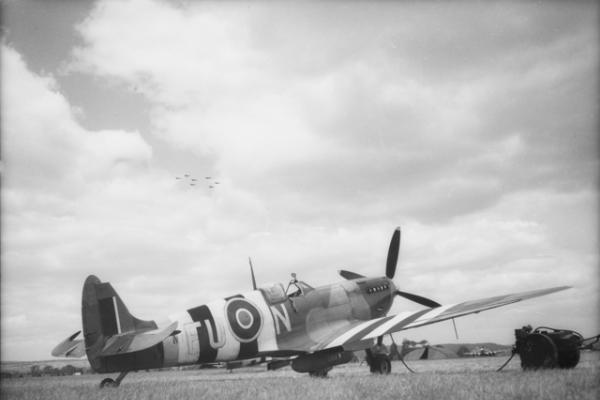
[(281, 317)]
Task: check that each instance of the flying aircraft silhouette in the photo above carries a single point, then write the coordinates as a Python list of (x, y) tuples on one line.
[(311, 329)]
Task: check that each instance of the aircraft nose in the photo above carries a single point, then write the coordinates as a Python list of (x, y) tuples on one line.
[(391, 286)]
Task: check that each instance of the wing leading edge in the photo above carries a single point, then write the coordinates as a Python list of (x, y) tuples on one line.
[(406, 320)]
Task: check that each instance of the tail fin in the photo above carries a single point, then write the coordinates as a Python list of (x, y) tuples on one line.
[(104, 315)]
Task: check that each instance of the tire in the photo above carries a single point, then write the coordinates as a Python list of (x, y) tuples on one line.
[(108, 382), (539, 351), (381, 364)]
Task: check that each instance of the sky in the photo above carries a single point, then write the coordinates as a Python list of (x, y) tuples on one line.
[(472, 126)]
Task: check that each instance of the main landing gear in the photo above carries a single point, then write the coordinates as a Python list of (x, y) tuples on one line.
[(378, 358), (379, 363), (109, 382)]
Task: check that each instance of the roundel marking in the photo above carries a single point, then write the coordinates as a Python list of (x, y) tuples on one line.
[(244, 319)]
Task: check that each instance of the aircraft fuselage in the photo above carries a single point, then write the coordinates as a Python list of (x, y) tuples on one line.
[(268, 321)]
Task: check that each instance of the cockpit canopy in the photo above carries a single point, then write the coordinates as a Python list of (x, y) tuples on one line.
[(298, 288), (275, 293)]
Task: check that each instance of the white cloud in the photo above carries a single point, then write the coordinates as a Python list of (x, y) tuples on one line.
[(53, 168), (304, 91)]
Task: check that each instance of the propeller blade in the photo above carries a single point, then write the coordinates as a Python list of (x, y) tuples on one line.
[(392, 258), (418, 299), (349, 274)]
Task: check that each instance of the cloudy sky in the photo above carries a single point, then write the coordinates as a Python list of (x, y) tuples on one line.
[(473, 126)]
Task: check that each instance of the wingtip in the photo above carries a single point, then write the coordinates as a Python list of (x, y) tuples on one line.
[(559, 288)]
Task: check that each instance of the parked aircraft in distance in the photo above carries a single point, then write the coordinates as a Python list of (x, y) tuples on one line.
[(311, 329), (480, 352)]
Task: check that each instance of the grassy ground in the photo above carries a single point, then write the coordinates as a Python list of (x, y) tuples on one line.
[(440, 379)]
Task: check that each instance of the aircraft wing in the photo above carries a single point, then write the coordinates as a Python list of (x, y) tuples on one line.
[(135, 341), (368, 330)]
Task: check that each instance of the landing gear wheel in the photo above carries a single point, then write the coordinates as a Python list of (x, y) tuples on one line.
[(108, 382), (539, 351), (381, 364), (319, 373)]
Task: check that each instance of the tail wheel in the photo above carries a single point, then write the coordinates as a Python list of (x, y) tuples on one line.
[(108, 382), (381, 364), (539, 351)]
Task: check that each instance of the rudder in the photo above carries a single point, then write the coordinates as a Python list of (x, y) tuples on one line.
[(104, 315)]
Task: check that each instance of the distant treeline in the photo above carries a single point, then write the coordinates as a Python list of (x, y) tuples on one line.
[(47, 370)]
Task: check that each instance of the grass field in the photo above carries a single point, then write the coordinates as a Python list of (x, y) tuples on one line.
[(440, 379)]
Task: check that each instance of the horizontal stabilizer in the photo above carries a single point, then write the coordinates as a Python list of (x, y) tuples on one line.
[(136, 341), (70, 347)]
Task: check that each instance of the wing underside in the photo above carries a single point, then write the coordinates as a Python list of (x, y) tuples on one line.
[(364, 332)]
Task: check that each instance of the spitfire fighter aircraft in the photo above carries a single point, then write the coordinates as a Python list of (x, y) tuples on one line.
[(311, 329)]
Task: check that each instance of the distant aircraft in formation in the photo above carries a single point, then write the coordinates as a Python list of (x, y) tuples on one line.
[(311, 329), (193, 181)]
